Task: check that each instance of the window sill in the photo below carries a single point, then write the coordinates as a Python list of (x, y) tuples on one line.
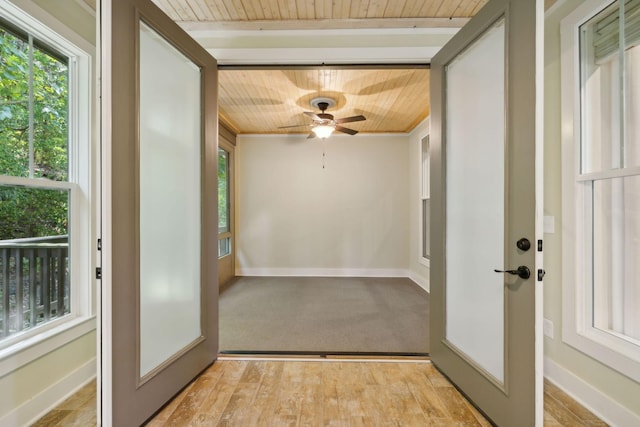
[(606, 349), (26, 351)]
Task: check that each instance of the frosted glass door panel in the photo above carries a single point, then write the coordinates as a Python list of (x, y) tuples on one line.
[(170, 154), (475, 153)]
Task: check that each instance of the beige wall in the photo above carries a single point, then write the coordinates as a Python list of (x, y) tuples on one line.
[(73, 14), (49, 378), (294, 217), (605, 380)]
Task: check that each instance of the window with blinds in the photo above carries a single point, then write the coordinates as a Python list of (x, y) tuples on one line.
[(607, 29), (609, 178)]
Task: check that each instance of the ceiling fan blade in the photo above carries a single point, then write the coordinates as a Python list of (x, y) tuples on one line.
[(311, 135), (346, 130), (351, 119), (293, 126), (314, 116)]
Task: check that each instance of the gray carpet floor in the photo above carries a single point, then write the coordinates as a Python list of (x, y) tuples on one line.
[(324, 315)]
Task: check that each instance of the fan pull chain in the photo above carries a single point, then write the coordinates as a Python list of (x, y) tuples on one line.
[(324, 153)]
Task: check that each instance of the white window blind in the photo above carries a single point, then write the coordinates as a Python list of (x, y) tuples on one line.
[(606, 32)]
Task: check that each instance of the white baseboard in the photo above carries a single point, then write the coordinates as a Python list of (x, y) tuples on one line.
[(323, 272), (607, 409), (42, 403), (420, 280)]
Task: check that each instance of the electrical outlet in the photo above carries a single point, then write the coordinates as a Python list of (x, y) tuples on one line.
[(547, 328)]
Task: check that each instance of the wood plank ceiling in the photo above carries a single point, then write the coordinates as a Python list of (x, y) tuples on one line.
[(282, 10), (262, 100)]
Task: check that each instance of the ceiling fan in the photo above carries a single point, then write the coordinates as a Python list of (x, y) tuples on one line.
[(323, 123)]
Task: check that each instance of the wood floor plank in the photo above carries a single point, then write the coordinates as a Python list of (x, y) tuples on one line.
[(282, 421), (435, 377), (213, 406), (399, 393), (440, 422), (53, 418), (571, 405), (363, 421), (83, 418), (288, 400), (376, 373), (550, 421), (332, 414), (456, 406), (479, 417), (331, 394), (253, 372), (82, 399), (269, 387), (366, 373), (351, 400), (311, 406), (169, 408), (423, 391), (192, 401), (240, 410), (559, 412), (374, 403)]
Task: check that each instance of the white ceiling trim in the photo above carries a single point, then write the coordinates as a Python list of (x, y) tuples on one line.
[(334, 46), (320, 56)]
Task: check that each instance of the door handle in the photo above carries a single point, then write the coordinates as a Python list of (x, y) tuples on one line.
[(522, 272)]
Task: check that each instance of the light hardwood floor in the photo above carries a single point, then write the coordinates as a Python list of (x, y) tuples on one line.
[(78, 410), (322, 393)]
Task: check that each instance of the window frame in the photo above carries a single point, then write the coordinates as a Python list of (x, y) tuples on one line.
[(577, 305), (229, 234), (22, 348), (425, 196)]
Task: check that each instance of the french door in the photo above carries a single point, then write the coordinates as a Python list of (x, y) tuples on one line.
[(486, 198), (159, 137)]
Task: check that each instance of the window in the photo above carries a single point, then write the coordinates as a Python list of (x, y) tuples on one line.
[(224, 203), (425, 203), (44, 178), (602, 278)]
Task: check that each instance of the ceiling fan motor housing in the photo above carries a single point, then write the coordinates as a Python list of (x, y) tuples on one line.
[(325, 116)]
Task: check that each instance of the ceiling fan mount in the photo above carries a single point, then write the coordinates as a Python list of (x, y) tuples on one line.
[(323, 103)]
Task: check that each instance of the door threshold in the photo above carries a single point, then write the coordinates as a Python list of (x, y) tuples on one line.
[(323, 356)]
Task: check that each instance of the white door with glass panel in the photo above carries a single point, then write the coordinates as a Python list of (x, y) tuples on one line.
[(159, 320), (485, 204)]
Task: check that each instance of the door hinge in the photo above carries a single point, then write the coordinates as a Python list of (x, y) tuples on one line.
[(541, 274), (99, 244), (540, 245), (98, 273)]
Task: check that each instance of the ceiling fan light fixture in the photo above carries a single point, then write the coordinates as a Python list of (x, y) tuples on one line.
[(323, 131)]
